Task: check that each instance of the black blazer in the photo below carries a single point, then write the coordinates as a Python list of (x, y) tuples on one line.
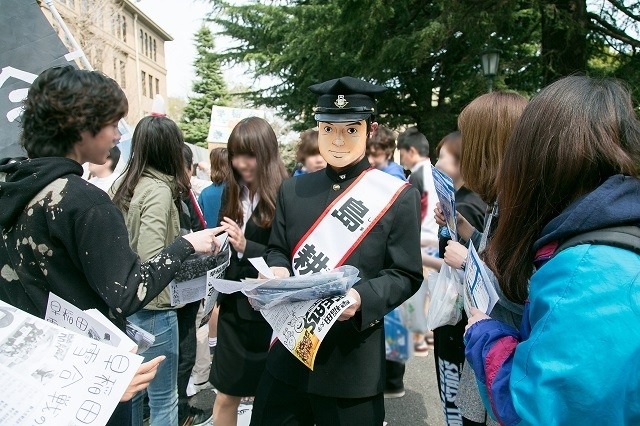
[(350, 362), (239, 268)]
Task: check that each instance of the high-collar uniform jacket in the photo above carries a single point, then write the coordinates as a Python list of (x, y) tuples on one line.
[(350, 362)]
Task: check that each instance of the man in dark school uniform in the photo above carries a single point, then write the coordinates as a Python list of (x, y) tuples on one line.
[(375, 223)]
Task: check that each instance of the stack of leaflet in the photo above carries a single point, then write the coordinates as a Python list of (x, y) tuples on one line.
[(273, 292)]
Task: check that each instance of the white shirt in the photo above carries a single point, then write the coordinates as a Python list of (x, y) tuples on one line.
[(105, 182), (429, 227), (249, 204)]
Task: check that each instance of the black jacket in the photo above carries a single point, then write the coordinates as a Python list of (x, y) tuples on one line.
[(350, 362), (64, 235), (239, 268)]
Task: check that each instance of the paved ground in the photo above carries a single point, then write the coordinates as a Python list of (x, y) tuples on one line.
[(419, 407)]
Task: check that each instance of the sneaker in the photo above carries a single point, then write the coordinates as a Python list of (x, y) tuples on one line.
[(194, 388), (393, 394), (421, 348), (198, 417)]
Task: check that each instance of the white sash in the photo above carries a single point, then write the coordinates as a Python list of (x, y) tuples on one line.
[(346, 222)]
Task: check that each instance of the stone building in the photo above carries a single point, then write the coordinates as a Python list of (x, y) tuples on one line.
[(121, 41)]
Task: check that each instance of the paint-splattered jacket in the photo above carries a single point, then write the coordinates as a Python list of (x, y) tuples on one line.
[(575, 358), (64, 235)]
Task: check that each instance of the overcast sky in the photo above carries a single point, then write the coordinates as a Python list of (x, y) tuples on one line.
[(181, 19)]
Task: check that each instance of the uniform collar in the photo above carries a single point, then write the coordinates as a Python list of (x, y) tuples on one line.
[(350, 172)]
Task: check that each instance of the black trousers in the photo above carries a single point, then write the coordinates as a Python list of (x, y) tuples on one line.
[(278, 404), (394, 379), (186, 352), (448, 350)]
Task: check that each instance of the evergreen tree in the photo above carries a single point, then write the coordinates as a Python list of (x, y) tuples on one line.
[(209, 89)]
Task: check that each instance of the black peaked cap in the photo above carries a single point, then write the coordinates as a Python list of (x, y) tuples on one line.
[(345, 99)]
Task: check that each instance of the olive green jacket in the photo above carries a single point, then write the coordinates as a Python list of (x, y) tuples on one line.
[(153, 222)]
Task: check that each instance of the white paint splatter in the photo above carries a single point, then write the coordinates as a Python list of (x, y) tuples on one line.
[(142, 291), (52, 193), (42, 248), (8, 273)]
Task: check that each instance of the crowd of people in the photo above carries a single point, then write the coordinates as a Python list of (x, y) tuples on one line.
[(546, 190)]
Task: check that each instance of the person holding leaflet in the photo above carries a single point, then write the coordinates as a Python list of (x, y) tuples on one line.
[(373, 223)]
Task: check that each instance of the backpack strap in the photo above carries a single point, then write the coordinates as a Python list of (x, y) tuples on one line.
[(624, 237)]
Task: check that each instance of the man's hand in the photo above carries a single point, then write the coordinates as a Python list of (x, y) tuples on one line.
[(351, 310), (278, 272), (143, 377)]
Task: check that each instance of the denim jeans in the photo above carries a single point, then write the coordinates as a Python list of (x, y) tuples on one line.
[(163, 389)]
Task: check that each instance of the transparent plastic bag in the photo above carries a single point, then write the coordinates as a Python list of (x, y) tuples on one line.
[(446, 299), (412, 310), (300, 288)]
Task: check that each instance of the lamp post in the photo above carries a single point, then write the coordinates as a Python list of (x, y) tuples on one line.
[(490, 62)]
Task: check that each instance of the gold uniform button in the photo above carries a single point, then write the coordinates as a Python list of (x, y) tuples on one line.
[(336, 187)]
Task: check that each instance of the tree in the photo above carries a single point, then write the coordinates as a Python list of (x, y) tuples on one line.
[(209, 89), (427, 53)]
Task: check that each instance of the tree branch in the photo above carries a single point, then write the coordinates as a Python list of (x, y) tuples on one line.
[(606, 28), (624, 9)]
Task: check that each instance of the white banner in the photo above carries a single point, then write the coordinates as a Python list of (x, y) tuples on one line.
[(346, 222)]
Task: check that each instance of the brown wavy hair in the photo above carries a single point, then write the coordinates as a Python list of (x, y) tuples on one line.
[(486, 124), (220, 169), (253, 136), (61, 103), (574, 135)]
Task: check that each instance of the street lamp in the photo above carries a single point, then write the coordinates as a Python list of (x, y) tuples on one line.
[(490, 62)]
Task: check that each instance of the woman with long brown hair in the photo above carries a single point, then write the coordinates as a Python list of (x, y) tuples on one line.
[(569, 171), (248, 209), (149, 195), (485, 125)]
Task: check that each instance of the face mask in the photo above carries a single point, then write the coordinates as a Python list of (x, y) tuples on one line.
[(342, 144)]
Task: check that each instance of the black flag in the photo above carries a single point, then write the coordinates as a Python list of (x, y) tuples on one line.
[(28, 46)]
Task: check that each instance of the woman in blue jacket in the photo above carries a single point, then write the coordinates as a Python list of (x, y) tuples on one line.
[(570, 168)]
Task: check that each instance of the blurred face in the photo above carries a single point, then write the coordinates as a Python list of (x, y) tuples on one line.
[(95, 148), (409, 157), (314, 163), (101, 170), (448, 164), (342, 144), (378, 159), (246, 166)]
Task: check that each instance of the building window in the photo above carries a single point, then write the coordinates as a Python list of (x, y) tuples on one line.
[(123, 74), (157, 86), (144, 83), (141, 40), (150, 86), (155, 58), (146, 44), (124, 28)]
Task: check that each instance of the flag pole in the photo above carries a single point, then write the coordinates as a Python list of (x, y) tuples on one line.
[(74, 43), (67, 33)]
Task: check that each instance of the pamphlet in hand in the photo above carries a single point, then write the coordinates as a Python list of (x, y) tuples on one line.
[(301, 326), (300, 309), (447, 196), (90, 323), (53, 376), (478, 288)]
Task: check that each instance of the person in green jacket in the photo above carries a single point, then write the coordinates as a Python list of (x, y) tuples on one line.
[(149, 197)]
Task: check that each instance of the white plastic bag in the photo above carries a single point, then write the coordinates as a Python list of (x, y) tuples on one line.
[(446, 299), (412, 310)]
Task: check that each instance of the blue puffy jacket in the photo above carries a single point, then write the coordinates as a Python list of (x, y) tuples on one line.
[(576, 358)]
